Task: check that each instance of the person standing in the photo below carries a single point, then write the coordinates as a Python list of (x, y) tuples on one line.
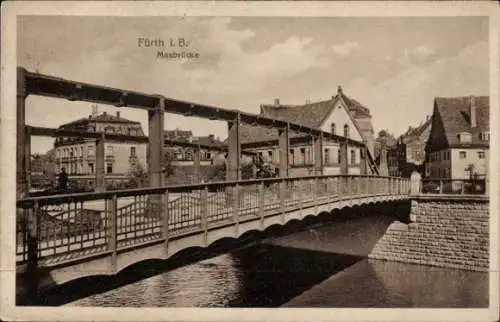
[(63, 180)]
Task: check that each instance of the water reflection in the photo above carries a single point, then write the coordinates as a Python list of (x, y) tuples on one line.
[(374, 283), (303, 269)]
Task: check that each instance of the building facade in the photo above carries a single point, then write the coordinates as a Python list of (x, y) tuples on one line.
[(337, 116), (184, 156), (78, 155), (408, 153), (458, 144)]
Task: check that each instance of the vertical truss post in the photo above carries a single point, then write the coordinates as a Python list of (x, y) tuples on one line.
[(233, 172), (284, 147), (156, 118), (22, 187), (100, 184), (197, 164), (344, 166), (318, 154), (363, 152)]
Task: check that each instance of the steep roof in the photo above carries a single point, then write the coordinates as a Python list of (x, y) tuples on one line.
[(456, 118), (109, 118), (356, 108), (102, 118), (416, 131), (310, 114), (207, 140), (178, 134)]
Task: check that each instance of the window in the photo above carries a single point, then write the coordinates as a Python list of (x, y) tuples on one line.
[(332, 128), (353, 157), (303, 155), (346, 130), (132, 151), (209, 156), (338, 156), (109, 168), (465, 137), (270, 153), (90, 150), (109, 149), (91, 167), (327, 156), (189, 156), (484, 136), (292, 157), (481, 154), (463, 154)]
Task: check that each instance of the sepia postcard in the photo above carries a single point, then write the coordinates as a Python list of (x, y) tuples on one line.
[(249, 161)]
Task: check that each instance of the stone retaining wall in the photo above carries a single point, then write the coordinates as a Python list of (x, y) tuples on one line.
[(444, 231)]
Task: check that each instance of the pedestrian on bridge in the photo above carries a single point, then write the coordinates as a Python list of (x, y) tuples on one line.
[(63, 180)]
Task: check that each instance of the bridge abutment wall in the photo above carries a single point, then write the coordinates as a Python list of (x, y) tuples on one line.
[(443, 231)]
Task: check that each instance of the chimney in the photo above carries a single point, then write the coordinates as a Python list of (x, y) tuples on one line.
[(211, 137), (473, 116), (104, 113), (117, 113), (94, 110), (277, 101), (339, 90)]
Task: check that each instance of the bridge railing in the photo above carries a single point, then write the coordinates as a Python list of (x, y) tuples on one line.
[(454, 186), (53, 229)]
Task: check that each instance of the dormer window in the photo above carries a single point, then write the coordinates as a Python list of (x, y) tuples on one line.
[(484, 136), (465, 137)]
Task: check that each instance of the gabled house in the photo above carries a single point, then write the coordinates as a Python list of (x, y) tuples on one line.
[(408, 154), (458, 144), (339, 115)]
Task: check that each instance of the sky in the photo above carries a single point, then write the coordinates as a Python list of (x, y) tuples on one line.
[(394, 66)]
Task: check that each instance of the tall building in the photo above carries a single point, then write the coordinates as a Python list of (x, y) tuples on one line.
[(78, 155), (458, 144), (339, 115)]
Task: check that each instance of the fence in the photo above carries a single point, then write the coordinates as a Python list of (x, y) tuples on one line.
[(454, 186), (74, 225)]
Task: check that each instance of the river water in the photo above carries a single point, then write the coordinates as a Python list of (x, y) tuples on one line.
[(320, 266)]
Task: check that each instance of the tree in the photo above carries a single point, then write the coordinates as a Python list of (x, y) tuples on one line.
[(139, 175), (470, 168)]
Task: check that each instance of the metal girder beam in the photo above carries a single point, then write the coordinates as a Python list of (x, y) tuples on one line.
[(44, 85)]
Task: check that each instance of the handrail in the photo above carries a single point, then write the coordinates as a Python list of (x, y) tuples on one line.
[(86, 196)]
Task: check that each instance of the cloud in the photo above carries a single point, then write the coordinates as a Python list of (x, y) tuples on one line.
[(230, 73), (345, 49), (408, 96), (416, 56)]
